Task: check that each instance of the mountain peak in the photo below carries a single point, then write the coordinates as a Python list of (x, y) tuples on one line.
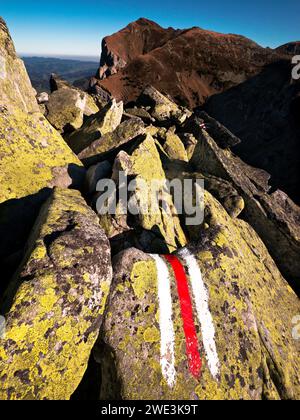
[(145, 21)]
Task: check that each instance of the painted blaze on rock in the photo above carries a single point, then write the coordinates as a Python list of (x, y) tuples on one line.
[(56, 313), (251, 309)]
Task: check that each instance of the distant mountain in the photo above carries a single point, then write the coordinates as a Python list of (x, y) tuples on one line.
[(246, 87), (190, 65), (74, 71)]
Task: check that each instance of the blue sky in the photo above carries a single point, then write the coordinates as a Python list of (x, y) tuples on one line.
[(76, 27)]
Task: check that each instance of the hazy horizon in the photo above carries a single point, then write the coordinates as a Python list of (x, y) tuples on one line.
[(73, 28), (88, 58)]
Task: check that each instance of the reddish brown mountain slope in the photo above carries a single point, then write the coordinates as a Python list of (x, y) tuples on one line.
[(190, 65), (292, 48), (136, 39)]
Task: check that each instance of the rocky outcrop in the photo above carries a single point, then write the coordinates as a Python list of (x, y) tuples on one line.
[(244, 335), (57, 310), (15, 86), (190, 64)]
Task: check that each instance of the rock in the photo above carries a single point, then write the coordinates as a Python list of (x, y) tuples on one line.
[(15, 86), (226, 194), (67, 108), (161, 107), (174, 147), (33, 156), (105, 121), (95, 173), (43, 109), (57, 311), (273, 215), (140, 113), (42, 98), (222, 190), (201, 121), (264, 113), (101, 96), (243, 335), (224, 138), (156, 223), (111, 142), (56, 83), (189, 142)]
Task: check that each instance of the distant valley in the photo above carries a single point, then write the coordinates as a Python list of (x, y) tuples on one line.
[(77, 71)]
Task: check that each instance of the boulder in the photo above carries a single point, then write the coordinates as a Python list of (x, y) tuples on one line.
[(67, 107), (103, 122), (273, 215), (42, 98), (202, 121), (95, 173), (140, 113), (56, 82), (162, 108), (55, 303), (111, 142), (226, 194), (189, 142), (174, 147), (33, 156), (224, 138), (156, 223), (220, 189), (221, 331), (15, 86)]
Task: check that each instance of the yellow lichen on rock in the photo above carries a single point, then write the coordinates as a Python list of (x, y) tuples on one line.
[(251, 307), (32, 156), (53, 320), (147, 167), (174, 148), (15, 86)]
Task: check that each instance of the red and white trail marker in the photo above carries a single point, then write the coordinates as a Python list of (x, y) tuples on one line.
[(186, 280)]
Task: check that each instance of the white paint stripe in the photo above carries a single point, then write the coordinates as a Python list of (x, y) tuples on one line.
[(201, 299), (167, 336)]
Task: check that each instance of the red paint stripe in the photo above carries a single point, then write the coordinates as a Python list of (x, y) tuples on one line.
[(192, 344)]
